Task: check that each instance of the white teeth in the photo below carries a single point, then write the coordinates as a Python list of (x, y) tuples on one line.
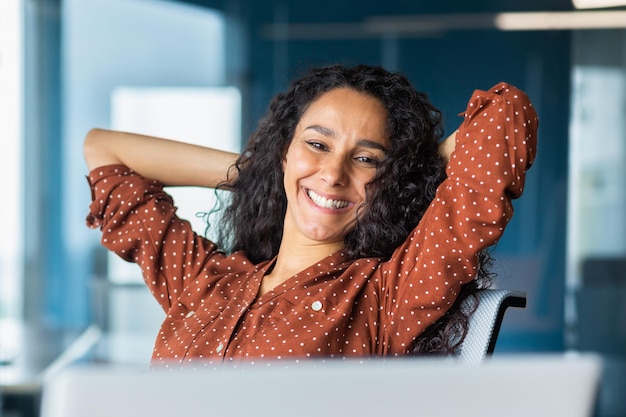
[(326, 202)]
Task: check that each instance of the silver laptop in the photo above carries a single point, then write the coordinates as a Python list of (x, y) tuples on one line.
[(536, 386)]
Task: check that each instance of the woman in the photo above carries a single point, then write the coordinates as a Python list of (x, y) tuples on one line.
[(344, 239)]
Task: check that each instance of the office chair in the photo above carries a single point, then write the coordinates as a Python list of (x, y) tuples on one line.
[(485, 322)]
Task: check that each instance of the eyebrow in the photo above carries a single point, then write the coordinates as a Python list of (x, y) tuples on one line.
[(328, 132)]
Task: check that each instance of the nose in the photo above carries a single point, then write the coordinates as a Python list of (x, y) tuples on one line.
[(334, 171)]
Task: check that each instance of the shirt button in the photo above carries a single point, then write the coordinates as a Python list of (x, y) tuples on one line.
[(190, 314), (316, 306), (219, 348)]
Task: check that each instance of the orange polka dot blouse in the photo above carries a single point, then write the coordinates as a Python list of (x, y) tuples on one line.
[(334, 308)]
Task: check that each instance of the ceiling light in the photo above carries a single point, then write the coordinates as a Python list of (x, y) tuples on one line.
[(594, 4)]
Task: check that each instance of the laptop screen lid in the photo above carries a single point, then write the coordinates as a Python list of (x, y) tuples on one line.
[(502, 386)]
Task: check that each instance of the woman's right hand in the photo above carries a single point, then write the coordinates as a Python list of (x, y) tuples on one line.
[(169, 162), (446, 147)]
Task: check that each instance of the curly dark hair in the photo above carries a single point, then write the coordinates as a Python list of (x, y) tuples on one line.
[(396, 199)]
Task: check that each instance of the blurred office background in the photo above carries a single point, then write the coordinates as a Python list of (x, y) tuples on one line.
[(204, 71)]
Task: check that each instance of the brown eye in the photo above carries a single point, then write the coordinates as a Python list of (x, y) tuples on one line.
[(317, 145), (368, 161)]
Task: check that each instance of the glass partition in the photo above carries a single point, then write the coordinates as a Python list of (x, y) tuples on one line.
[(11, 135)]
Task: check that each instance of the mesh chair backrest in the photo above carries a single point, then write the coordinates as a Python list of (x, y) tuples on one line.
[(485, 321)]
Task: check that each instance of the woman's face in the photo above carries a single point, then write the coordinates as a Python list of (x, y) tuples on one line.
[(336, 149)]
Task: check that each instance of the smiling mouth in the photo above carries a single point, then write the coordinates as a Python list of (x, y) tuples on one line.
[(327, 202)]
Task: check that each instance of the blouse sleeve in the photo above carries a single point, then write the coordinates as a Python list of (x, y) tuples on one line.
[(139, 223), (495, 145)]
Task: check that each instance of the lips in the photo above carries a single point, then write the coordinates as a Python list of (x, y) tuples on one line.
[(327, 202)]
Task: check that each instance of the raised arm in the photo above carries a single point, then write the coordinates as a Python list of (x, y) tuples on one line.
[(169, 162), (488, 156)]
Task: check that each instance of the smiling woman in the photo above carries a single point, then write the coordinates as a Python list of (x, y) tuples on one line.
[(349, 236), (333, 155)]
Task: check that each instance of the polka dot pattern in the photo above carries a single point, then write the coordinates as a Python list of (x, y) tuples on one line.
[(333, 308)]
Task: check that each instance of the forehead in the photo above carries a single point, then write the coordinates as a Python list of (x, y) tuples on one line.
[(345, 95), (347, 109)]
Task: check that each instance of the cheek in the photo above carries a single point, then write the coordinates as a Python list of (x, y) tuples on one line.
[(288, 154), (364, 181), (297, 162), (293, 169)]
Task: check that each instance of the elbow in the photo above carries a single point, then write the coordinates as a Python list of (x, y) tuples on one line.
[(90, 147), (95, 151)]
